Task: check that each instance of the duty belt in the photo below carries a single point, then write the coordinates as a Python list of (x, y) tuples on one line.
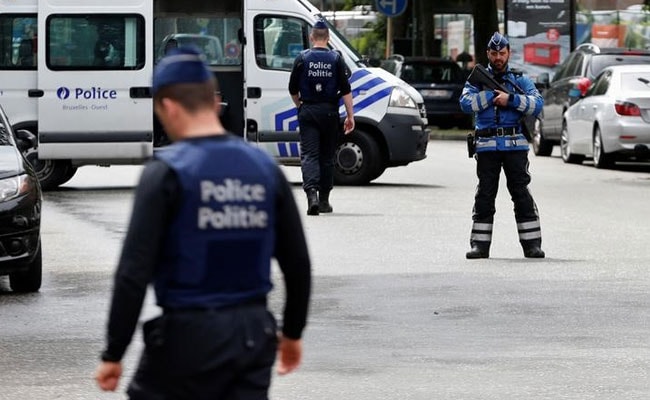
[(508, 131)]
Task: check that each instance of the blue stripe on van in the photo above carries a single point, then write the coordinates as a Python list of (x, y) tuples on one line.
[(358, 75), (282, 149), (283, 116), (293, 146), (367, 86), (371, 99), (293, 125)]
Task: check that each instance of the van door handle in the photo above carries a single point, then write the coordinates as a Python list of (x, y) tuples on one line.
[(254, 92), (35, 93), (140, 92)]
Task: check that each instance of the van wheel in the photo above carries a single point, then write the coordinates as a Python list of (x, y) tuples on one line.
[(601, 159), (565, 148), (357, 160), (51, 173), (541, 146), (30, 279)]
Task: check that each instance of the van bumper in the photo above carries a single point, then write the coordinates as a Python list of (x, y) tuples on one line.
[(406, 137)]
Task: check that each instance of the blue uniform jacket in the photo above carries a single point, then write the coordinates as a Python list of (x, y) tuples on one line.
[(488, 116)]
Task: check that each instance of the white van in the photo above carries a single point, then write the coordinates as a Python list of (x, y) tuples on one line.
[(77, 74)]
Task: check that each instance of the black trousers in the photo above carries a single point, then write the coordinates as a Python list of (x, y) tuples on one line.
[(319, 134), (207, 354), (488, 170)]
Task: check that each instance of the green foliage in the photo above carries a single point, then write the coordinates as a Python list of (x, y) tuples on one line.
[(373, 43)]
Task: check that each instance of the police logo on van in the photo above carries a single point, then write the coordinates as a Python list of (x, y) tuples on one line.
[(63, 93), (93, 93)]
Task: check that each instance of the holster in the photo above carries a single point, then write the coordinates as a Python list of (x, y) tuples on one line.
[(471, 145)]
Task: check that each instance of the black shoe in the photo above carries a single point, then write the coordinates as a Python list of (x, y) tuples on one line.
[(312, 202), (534, 252), (477, 252), (325, 207)]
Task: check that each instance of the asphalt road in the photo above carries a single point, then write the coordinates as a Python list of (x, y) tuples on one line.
[(397, 311)]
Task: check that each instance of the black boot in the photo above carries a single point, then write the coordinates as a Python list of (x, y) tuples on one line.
[(478, 250), (532, 248), (324, 205), (312, 202)]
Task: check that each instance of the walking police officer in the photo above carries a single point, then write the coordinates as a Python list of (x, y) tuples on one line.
[(317, 81), (209, 213), (500, 143)]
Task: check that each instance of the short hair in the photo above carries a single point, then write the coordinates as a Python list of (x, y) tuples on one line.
[(192, 96), (320, 34)]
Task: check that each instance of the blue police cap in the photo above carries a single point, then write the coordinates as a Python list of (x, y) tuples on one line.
[(320, 24), (498, 42), (180, 65)]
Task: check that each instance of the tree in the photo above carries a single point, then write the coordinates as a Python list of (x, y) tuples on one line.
[(485, 24)]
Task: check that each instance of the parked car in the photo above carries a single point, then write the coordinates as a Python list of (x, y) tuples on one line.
[(20, 211), (587, 60), (209, 45), (440, 82), (610, 121)]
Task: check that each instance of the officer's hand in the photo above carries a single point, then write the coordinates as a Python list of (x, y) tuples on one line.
[(348, 125), (501, 98), (108, 375), (289, 355)]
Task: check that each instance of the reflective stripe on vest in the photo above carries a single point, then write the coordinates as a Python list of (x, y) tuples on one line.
[(502, 143)]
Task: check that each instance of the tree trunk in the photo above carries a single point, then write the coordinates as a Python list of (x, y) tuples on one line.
[(485, 24)]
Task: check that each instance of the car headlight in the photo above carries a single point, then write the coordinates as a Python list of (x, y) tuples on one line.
[(399, 98), (15, 186)]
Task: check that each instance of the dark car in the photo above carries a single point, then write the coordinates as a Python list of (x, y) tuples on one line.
[(20, 211), (587, 60), (440, 82)]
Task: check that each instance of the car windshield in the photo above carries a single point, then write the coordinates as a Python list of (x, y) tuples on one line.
[(600, 62), (4, 134), (431, 73), (635, 81)]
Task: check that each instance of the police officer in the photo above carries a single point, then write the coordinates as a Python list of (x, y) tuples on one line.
[(317, 81), (209, 213), (501, 143)]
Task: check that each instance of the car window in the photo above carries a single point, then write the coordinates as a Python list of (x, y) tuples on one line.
[(575, 67), (431, 73), (278, 40), (4, 134), (635, 81), (602, 61), (600, 86)]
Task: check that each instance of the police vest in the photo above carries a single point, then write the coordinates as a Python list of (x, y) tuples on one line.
[(319, 82), (218, 248), (507, 117)]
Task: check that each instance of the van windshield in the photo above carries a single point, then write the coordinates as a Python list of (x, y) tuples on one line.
[(351, 51)]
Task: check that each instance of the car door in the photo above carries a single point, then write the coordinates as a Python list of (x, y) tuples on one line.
[(18, 57), (271, 116), (588, 108), (558, 98), (95, 79)]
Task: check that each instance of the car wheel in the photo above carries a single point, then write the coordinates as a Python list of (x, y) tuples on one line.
[(541, 146), (357, 159), (30, 279), (565, 148), (51, 173), (601, 159)]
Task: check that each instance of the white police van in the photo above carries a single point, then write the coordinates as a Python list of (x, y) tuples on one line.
[(77, 74)]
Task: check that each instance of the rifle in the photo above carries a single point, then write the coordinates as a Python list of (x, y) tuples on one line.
[(481, 77)]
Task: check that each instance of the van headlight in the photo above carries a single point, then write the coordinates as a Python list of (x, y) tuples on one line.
[(400, 98)]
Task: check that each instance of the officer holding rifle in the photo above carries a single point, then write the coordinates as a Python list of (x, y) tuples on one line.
[(501, 98)]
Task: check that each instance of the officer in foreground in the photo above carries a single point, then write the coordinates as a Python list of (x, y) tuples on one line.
[(209, 213), (501, 143), (316, 83)]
